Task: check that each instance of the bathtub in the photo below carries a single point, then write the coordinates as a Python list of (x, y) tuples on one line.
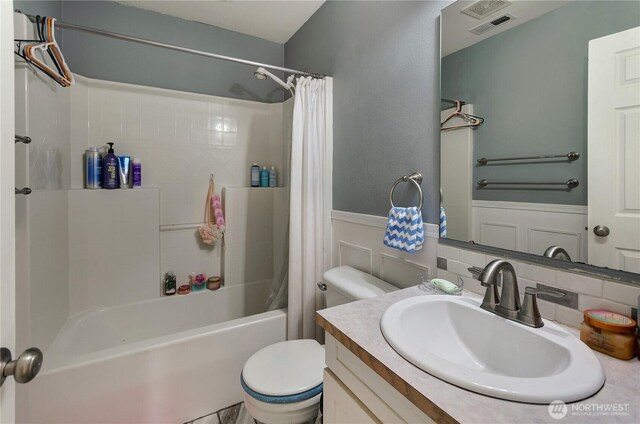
[(166, 360)]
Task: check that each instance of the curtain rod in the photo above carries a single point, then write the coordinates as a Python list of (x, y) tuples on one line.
[(74, 27)]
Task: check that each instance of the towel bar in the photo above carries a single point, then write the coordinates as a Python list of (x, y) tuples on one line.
[(571, 156), (572, 183), (416, 179)]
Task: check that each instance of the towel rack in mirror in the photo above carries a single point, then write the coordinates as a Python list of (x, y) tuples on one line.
[(416, 179), (571, 156), (572, 183)]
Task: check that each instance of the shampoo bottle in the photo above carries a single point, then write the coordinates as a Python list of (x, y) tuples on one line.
[(264, 177), (92, 168), (273, 177), (255, 175), (110, 177), (136, 171)]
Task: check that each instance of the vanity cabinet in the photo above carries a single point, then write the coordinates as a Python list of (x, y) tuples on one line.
[(355, 394)]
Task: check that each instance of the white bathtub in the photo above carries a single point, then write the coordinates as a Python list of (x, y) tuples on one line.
[(168, 360)]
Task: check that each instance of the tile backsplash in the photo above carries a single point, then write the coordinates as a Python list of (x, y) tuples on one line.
[(583, 292)]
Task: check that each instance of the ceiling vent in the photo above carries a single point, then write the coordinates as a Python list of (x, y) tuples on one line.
[(488, 26), (483, 8)]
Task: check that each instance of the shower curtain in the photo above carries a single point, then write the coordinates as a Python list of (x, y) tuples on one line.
[(306, 256)]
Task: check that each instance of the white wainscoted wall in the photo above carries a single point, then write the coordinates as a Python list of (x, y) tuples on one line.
[(531, 227), (357, 241), (586, 292)]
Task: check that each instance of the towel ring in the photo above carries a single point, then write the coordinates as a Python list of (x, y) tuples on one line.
[(416, 179)]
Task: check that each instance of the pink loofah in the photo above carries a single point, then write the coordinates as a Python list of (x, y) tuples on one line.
[(210, 233)]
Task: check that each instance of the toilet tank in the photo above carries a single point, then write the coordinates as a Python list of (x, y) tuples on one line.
[(346, 284)]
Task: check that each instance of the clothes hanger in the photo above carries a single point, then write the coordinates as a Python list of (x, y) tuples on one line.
[(47, 45), (57, 52), (472, 121)]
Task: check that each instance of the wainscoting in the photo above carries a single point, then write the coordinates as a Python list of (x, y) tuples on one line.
[(531, 227), (357, 241)]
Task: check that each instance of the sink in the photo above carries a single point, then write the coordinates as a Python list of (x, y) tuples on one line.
[(451, 338)]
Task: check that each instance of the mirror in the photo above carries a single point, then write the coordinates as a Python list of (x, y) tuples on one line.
[(542, 153)]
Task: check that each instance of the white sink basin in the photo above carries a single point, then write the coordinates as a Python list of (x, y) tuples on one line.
[(453, 339)]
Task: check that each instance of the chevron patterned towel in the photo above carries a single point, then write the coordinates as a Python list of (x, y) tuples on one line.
[(443, 223), (404, 229)]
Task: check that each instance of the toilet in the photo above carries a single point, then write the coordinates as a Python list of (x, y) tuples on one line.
[(283, 382)]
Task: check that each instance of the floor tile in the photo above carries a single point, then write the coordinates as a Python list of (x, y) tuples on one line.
[(207, 419), (229, 415)]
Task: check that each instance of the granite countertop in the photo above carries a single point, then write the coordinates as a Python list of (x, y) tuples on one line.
[(357, 326)]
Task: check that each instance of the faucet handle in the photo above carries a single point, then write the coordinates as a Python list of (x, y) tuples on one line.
[(529, 314), (475, 271), (547, 292)]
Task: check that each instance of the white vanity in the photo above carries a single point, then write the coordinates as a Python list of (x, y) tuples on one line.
[(367, 381)]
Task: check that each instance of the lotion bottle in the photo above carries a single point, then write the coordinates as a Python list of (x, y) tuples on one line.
[(264, 177), (110, 177)]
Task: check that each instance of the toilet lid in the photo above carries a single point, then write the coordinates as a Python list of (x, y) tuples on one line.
[(285, 368)]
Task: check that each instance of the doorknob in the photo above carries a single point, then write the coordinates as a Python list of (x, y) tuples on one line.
[(601, 230), (23, 369)]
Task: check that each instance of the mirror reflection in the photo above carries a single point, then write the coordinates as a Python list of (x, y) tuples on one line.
[(540, 134)]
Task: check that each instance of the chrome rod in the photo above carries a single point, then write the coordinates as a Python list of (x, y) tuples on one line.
[(22, 139), (572, 183), (24, 191), (571, 156), (117, 36)]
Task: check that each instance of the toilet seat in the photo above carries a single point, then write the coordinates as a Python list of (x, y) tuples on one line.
[(299, 397), (283, 382), (285, 370)]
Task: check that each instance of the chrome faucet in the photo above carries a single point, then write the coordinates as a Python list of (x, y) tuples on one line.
[(507, 304), (557, 252)]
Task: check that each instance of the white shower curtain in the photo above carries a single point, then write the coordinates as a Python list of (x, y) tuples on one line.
[(306, 206)]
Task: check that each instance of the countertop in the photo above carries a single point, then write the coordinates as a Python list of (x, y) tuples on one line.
[(357, 326)]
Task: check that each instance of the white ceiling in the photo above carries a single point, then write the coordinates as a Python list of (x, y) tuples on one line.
[(272, 20), (455, 24)]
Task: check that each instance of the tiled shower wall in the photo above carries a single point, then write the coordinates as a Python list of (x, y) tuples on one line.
[(583, 292), (181, 138), (42, 113)]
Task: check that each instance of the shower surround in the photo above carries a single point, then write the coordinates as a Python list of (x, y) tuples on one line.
[(91, 260)]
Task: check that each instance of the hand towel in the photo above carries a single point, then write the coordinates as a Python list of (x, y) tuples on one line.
[(404, 229), (443, 223)]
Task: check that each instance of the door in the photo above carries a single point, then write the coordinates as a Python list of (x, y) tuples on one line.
[(7, 204), (614, 151), (456, 174)]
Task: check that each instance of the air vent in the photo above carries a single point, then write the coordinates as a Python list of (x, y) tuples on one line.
[(483, 8), (488, 26)]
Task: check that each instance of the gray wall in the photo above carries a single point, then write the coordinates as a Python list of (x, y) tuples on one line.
[(384, 59), (114, 60), (530, 84)]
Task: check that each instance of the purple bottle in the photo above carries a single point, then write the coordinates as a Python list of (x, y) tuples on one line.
[(136, 170), (110, 175)]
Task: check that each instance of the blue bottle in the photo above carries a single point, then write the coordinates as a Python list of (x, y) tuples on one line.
[(110, 177), (264, 177)]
